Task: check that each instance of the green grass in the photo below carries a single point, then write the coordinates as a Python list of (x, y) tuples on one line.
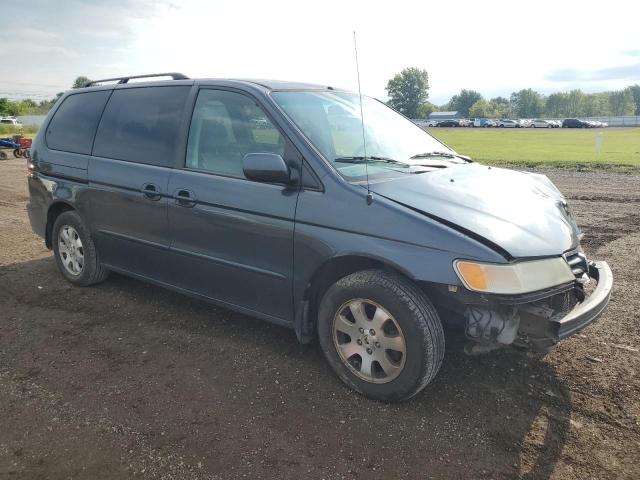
[(561, 148), (10, 130), (565, 148)]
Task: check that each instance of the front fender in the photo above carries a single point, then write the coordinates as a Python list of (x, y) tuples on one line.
[(339, 223)]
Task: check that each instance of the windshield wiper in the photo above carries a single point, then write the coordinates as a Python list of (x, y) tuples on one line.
[(360, 159), (441, 155)]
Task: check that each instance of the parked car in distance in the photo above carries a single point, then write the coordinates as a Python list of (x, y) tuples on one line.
[(575, 123), (539, 123), (464, 122), (449, 123), (506, 123), (525, 123), (227, 190), (11, 121), (483, 123), (423, 123)]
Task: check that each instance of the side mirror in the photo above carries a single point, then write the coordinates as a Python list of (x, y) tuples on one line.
[(266, 167)]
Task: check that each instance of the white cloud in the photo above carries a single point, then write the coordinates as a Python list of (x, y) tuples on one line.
[(494, 47)]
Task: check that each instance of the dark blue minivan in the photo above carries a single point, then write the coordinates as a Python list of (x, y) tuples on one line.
[(313, 208)]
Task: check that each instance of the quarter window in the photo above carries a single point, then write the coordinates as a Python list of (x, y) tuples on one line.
[(141, 125), (73, 126), (224, 128)]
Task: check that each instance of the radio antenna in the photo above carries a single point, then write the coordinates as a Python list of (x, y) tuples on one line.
[(364, 141)]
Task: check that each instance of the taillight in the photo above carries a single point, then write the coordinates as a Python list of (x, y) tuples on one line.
[(30, 168)]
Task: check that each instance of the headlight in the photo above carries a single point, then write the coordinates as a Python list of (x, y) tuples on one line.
[(521, 277)]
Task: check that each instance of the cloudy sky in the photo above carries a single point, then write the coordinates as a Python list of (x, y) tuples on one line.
[(495, 47)]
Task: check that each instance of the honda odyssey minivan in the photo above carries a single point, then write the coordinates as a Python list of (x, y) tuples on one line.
[(316, 209)]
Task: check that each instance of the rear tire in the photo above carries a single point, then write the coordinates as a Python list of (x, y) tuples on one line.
[(75, 251), (405, 352)]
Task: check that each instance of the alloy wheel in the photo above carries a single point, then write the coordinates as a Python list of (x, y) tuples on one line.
[(369, 341), (71, 250)]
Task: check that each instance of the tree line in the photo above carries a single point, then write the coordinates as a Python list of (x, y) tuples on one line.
[(409, 93)]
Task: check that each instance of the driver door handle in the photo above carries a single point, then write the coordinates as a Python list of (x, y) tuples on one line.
[(151, 191)]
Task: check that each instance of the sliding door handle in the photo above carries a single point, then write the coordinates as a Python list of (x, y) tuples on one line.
[(184, 198)]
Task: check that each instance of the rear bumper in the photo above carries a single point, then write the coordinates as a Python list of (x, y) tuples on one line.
[(37, 219), (38, 206), (591, 308)]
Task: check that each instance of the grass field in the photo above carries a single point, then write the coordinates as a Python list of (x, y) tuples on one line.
[(26, 130), (541, 147), (561, 148)]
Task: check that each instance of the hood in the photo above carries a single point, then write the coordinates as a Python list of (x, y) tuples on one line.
[(522, 213)]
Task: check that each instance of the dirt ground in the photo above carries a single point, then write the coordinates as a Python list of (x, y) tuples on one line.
[(127, 380)]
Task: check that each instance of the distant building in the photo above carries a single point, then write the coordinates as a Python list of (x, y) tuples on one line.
[(444, 115)]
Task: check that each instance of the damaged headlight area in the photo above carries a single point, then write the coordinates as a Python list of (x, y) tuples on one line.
[(515, 278), (528, 325), (534, 317)]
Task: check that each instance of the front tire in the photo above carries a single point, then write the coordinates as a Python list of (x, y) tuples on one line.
[(75, 252), (380, 334)]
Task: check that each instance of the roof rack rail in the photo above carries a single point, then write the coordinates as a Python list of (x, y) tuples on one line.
[(174, 75)]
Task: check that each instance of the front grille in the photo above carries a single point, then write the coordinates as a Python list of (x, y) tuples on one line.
[(563, 303), (578, 263)]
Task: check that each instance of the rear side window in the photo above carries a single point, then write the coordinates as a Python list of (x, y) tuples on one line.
[(73, 126), (141, 125)]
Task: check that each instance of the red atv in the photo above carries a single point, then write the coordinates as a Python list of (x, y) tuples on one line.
[(18, 144), (25, 146)]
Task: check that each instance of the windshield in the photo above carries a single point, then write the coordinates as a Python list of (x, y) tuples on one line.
[(332, 122)]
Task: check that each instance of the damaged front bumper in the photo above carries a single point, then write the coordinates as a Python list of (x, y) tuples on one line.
[(546, 322), (590, 308), (540, 319)]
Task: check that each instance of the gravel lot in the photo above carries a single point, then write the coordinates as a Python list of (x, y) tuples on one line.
[(127, 380)]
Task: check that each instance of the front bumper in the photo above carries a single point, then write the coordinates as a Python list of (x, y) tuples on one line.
[(591, 308), (543, 327), (541, 319)]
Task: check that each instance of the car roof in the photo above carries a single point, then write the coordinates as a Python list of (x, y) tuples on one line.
[(260, 84), (279, 84)]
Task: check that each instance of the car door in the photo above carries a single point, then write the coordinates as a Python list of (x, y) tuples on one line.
[(232, 238), (134, 149)]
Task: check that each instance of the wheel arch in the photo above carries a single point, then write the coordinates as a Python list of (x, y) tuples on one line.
[(54, 211), (325, 275)]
